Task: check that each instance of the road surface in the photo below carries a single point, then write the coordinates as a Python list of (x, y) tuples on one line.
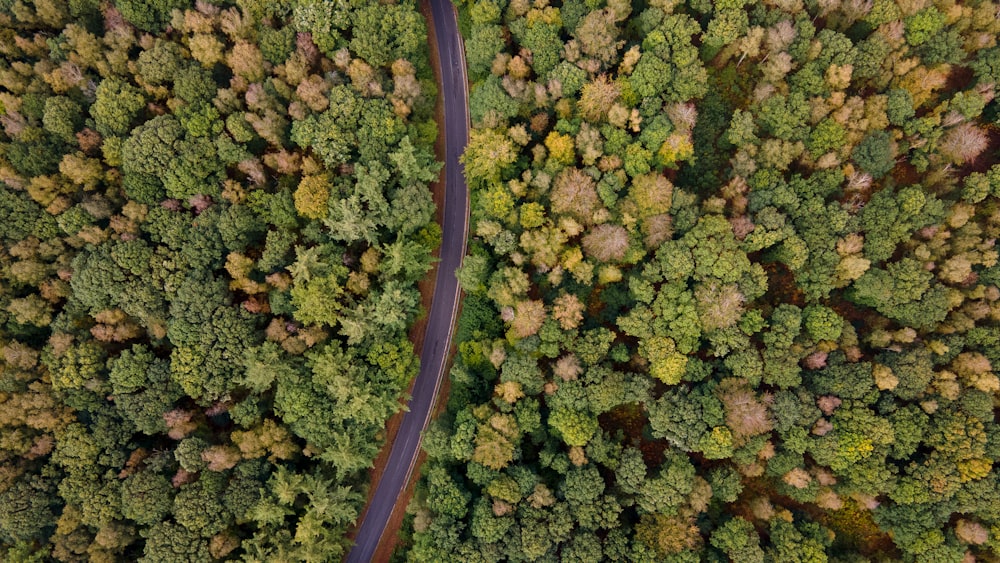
[(444, 303)]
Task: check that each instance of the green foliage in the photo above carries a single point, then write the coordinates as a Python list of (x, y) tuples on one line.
[(26, 514), (213, 227), (142, 388), (167, 542), (489, 98), (276, 44), (542, 38), (159, 64), (875, 154), (146, 154), (146, 497), (382, 34), (903, 292), (148, 15), (117, 275), (62, 117), (651, 76), (738, 540), (480, 49), (23, 217), (900, 108), (784, 116), (167, 342), (575, 427), (788, 297), (827, 136), (822, 323), (923, 25)]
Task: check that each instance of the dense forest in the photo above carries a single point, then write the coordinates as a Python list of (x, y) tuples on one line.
[(212, 219), (732, 291), (732, 294)]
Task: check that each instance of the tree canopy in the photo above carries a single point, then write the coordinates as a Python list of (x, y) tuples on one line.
[(214, 218)]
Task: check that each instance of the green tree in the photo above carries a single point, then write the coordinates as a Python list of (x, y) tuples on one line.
[(822, 323), (487, 155), (27, 514), (146, 497), (382, 34), (167, 542), (62, 117), (874, 154), (482, 45), (738, 540), (142, 388), (577, 428)]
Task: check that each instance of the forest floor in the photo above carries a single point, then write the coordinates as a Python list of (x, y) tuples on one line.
[(417, 332)]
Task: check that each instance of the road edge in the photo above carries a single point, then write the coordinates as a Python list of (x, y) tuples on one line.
[(387, 541)]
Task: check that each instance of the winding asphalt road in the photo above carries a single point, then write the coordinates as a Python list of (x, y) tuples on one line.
[(444, 304)]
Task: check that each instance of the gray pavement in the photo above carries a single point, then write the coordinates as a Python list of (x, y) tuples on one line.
[(444, 304)]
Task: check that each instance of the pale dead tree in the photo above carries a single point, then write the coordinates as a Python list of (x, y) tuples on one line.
[(828, 404), (825, 7), (854, 10), (194, 21), (13, 123), (762, 508), (798, 478), (567, 367), (829, 500), (910, 7), (571, 51), (858, 182), (972, 532), (589, 144), (629, 60), (986, 90), (575, 194), (597, 98), (233, 24), (822, 427), (498, 354), (596, 34), (528, 318), (892, 32), (952, 118), (71, 73), (683, 116), (519, 134), (746, 414), (285, 162), (514, 87), (742, 226), (657, 229), (606, 242), (519, 68), (554, 88), (816, 360), (779, 36), (206, 8), (541, 96), (365, 79), (254, 170), (312, 91), (750, 44), (568, 310), (964, 143)]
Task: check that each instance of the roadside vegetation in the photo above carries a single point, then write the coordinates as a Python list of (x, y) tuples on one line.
[(212, 219), (732, 286)]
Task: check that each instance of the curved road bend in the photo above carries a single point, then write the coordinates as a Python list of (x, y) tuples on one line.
[(444, 303)]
